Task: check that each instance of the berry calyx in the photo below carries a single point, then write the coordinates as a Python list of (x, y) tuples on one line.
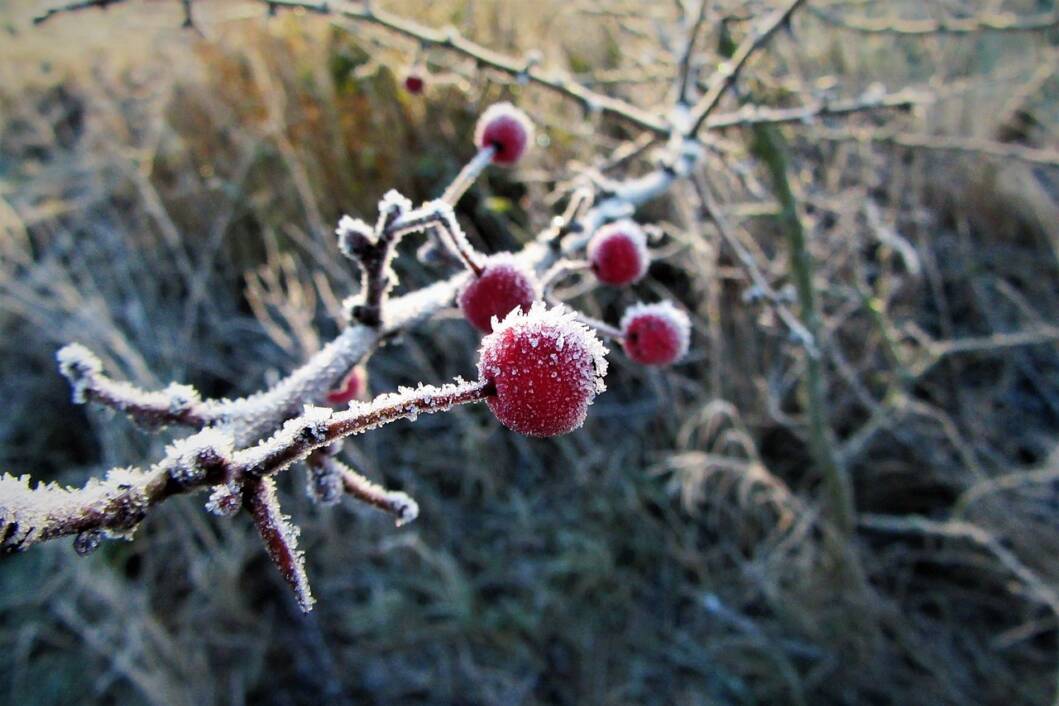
[(546, 369), (499, 288), (655, 334), (618, 253), (507, 130), (413, 83), (354, 386)]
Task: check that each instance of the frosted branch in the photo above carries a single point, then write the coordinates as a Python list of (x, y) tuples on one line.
[(329, 479), (176, 404)]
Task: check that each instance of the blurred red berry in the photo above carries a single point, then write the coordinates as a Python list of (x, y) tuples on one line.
[(505, 128), (618, 253), (354, 386), (501, 287), (546, 368), (655, 334), (413, 83)]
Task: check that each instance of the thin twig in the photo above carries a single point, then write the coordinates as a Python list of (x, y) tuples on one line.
[(727, 73)]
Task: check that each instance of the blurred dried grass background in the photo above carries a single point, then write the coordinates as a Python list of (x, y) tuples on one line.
[(167, 198)]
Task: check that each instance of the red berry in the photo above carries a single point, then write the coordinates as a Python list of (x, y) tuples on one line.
[(655, 334), (618, 253), (507, 129), (413, 83), (546, 368), (501, 287), (354, 386)]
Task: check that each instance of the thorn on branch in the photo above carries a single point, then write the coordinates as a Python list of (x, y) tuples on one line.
[(280, 537)]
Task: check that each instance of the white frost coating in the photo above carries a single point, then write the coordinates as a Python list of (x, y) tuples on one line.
[(457, 242), (558, 324), (254, 417), (393, 201), (225, 500), (78, 365), (186, 459), (271, 521), (181, 397), (409, 402), (351, 231), (311, 424), (407, 507), (26, 511), (665, 310)]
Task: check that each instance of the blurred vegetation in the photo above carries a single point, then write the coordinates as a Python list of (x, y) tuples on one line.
[(168, 199)]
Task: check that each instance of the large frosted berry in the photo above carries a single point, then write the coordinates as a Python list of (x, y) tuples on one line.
[(546, 368), (505, 128), (501, 287), (655, 334), (618, 253)]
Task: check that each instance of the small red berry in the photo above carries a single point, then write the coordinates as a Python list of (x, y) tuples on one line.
[(655, 334), (505, 128), (501, 287), (354, 386), (413, 83), (546, 368), (618, 253)]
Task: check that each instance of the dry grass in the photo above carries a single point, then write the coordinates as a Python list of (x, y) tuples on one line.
[(170, 203)]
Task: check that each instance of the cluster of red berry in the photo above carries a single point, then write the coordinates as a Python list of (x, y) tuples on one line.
[(545, 365)]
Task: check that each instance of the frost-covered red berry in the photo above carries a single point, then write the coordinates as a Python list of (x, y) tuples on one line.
[(354, 386), (546, 368), (413, 83), (500, 287), (618, 253), (655, 334), (505, 128)]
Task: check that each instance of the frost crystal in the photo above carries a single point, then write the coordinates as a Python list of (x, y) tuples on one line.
[(26, 512), (188, 459), (353, 235), (225, 500), (78, 365)]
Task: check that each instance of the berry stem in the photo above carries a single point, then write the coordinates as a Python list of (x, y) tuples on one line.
[(457, 243), (557, 272), (467, 176)]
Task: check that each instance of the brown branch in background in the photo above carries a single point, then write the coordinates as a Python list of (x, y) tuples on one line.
[(987, 22), (74, 7), (452, 40), (684, 65), (712, 211), (760, 115), (945, 143), (726, 74)]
